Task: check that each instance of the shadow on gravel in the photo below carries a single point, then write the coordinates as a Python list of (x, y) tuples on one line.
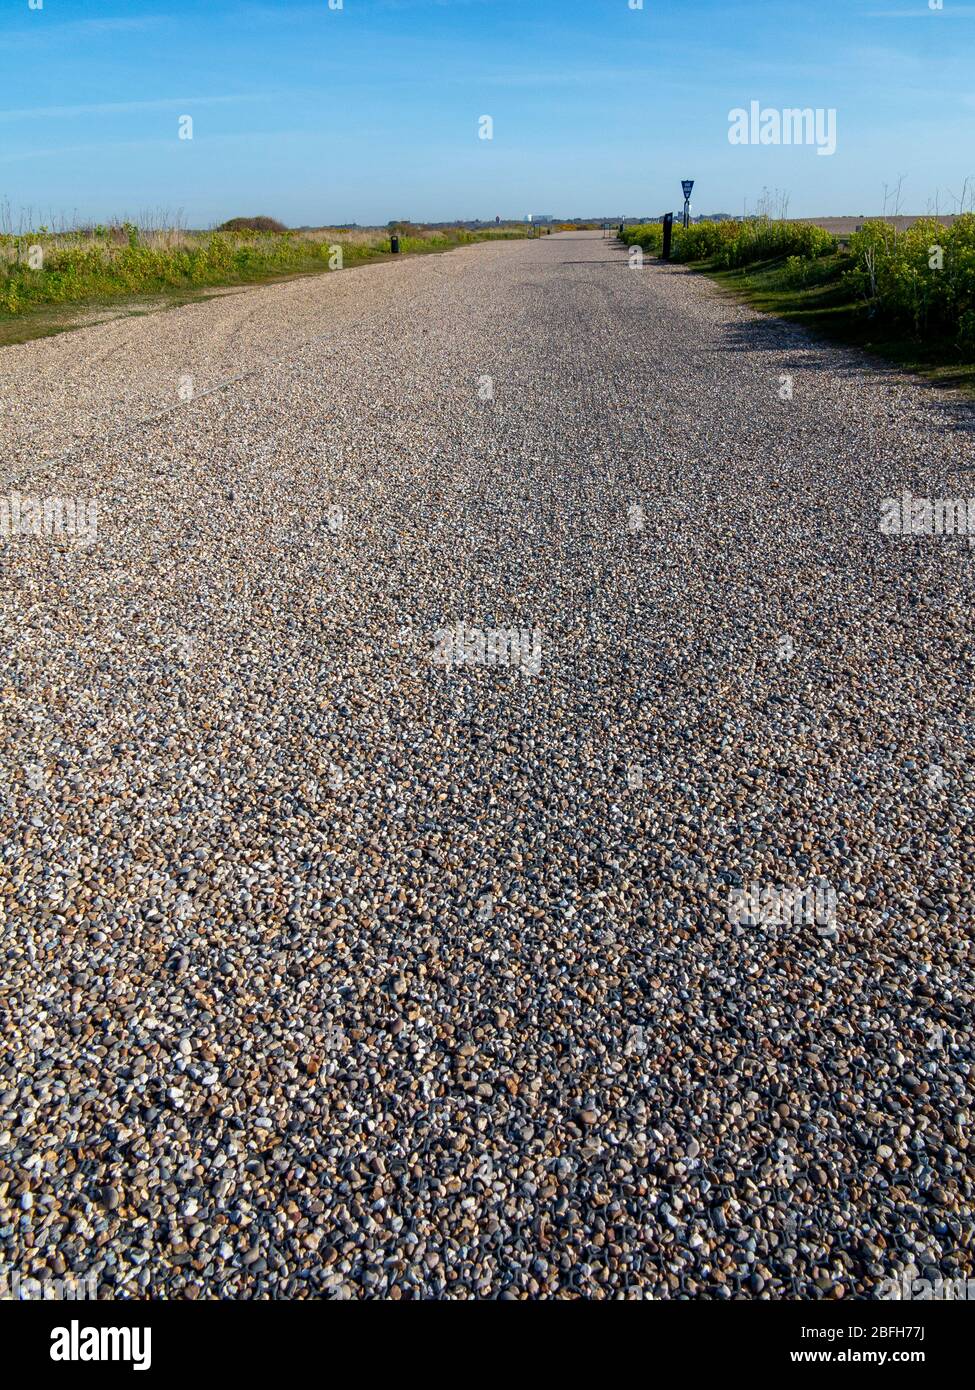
[(798, 349)]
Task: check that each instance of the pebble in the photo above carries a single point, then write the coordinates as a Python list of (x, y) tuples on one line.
[(361, 977)]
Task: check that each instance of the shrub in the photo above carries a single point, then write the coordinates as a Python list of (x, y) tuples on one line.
[(252, 224), (701, 241), (923, 278), (736, 243), (649, 236), (760, 239)]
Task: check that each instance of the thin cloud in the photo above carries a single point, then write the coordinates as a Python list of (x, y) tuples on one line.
[(247, 139), (111, 108), (50, 31), (950, 11), (112, 26), (564, 77), (17, 155)]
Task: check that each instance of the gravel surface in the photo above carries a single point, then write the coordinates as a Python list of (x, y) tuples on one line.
[(348, 953)]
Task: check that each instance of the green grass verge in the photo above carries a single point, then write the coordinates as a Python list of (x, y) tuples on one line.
[(89, 283), (825, 305), (47, 320)]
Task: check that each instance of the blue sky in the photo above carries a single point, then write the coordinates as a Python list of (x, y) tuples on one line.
[(370, 112)]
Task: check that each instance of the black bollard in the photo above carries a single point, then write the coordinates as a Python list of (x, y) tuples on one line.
[(394, 245), (668, 232)]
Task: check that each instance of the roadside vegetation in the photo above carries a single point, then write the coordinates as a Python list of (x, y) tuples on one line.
[(906, 295), (46, 274)]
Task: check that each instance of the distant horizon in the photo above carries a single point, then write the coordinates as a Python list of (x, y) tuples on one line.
[(59, 222), (64, 226)]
